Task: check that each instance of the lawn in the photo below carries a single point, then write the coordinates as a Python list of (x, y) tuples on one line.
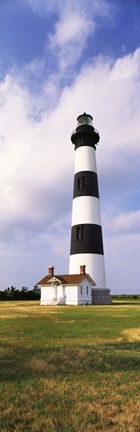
[(69, 369)]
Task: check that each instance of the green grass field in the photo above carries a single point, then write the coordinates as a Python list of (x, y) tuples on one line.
[(69, 369)]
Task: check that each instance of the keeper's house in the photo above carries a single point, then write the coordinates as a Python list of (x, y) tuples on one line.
[(69, 289)]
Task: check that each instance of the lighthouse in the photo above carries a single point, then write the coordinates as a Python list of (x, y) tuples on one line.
[(86, 230)]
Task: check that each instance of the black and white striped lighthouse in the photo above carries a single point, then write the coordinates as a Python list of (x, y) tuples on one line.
[(86, 230)]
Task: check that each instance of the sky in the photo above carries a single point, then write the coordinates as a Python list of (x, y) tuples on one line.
[(58, 59)]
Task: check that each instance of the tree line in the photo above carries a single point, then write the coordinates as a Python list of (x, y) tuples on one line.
[(12, 293)]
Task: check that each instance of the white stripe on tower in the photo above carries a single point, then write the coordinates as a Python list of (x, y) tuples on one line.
[(86, 230)]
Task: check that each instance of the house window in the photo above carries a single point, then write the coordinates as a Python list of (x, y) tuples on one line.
[(79, 233), (81, 290), (87, 290)]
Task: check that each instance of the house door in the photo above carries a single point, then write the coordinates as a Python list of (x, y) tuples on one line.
[(55, 292)]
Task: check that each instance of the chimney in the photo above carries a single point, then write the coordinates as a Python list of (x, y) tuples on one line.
[(51, 270), (82, 269)]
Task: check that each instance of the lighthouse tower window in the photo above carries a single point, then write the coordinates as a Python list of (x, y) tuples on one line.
[(79, 233), (80, 183)]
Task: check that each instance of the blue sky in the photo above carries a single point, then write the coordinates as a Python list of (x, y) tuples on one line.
[(59, 58)]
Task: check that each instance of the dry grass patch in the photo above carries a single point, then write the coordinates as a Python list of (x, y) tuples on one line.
[(6, 316), (132, 334), (60, 321)]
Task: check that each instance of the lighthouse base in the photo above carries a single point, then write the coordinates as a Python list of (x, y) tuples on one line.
[(101, 296)]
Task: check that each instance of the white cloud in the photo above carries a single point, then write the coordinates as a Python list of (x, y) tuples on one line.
[(101, 7), (129, 222), (125, 68), (74, 22), (70, 37), (30, 164), (71, 28)]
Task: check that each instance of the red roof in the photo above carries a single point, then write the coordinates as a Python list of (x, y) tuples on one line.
[(69, 279)]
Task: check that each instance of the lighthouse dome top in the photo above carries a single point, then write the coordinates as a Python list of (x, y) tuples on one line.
[(84, 119)]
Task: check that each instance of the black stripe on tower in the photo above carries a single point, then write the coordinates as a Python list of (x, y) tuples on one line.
[(86, 238), (85, 184), (85, 135)]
